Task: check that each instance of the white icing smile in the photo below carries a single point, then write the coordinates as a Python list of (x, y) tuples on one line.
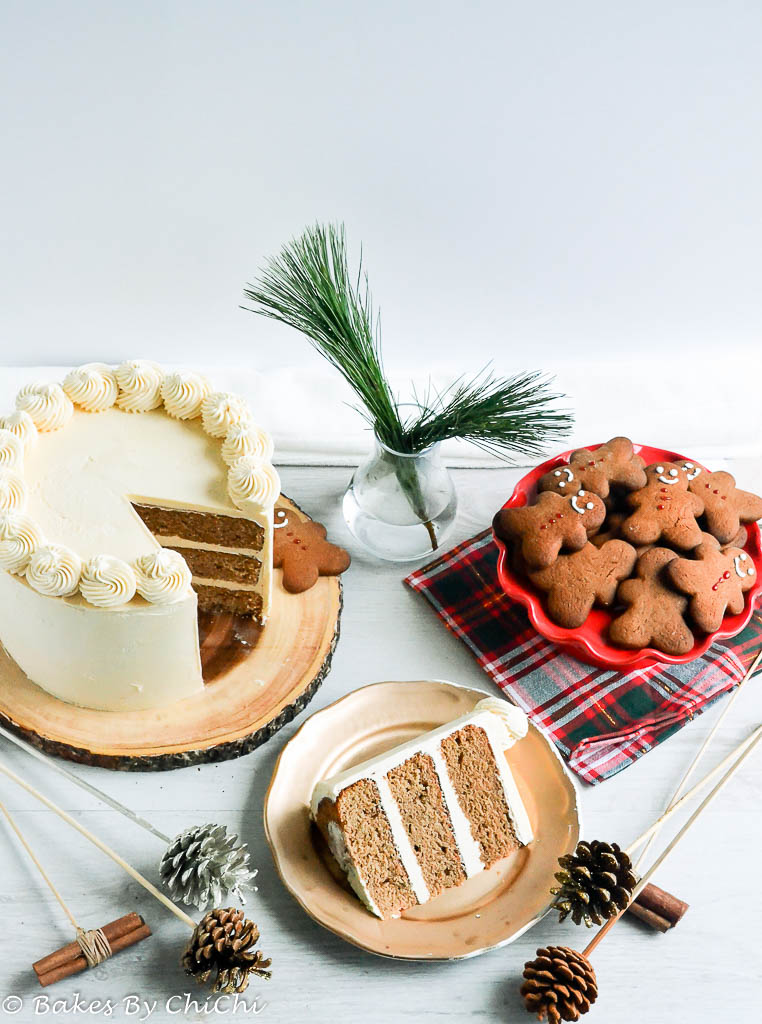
[(739, 571), (588, 505), (671, 479)]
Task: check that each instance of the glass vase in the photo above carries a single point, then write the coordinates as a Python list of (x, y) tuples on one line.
[(399, 506)]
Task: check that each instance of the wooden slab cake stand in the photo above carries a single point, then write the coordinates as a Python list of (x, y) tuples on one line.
[(257, 680)]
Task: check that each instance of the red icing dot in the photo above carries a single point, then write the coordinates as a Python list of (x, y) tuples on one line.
[(543, 527), (715, 492), (724, 497), (661, 506), (297, 541), (726, 575)]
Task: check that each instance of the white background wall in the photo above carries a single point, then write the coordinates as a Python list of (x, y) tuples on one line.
[(530, 181)]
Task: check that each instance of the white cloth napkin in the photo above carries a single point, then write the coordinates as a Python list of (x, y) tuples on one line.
[(704, 412)]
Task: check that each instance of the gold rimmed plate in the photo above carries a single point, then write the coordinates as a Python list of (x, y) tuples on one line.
[(487, 911)]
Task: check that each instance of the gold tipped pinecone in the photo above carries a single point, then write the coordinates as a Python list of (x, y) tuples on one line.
[(560, 984), (221, 949), (597, 881)]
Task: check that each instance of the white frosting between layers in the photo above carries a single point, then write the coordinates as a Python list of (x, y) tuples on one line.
[(183, 394), (19, 538), (13, 493), (21, 424), (163, 577), (221, 410), (246, 438), (47, 404), (139, 382), (503, 724), (11, 449), (92, 387), (54, 571), (107, 582), (253, 484)]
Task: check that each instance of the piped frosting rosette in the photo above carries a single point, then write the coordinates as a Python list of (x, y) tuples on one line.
[(48, 405), (20, 424), (253, 484), (54, 570), (163, 577), (11, 449), (246, 438), (514, 720), (19, 539), (92, 387), (220, 410), (107, 581), (183, 394), (139, 382), (12, 491)]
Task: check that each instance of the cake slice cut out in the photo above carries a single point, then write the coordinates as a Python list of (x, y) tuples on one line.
[(426, 816)]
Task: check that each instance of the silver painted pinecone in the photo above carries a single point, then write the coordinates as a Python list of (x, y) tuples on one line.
[(203, 864)]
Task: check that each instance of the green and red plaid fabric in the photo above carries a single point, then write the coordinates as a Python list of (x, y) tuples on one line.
[(601, 721)]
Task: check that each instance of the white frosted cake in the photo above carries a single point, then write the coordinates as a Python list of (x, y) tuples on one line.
[(129, 498), (429, 814)]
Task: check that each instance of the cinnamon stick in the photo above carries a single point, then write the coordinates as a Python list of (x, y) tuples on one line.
[(121, 934), (658, 908)]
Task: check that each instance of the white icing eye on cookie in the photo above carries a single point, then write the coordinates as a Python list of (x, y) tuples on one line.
[(588, 505), (691, 470), (737, 563)]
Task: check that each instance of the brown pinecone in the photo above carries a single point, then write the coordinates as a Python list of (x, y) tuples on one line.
[(221, 948), (560, 984), (597, 881)]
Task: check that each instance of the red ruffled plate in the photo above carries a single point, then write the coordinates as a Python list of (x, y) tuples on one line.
[(590, 640)]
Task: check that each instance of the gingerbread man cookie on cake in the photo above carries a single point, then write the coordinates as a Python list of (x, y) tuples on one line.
[(655, 612), (665, 510), (613, 463), (715, 581), (574, 583), (554, 522), (301, 550), (726, 507)]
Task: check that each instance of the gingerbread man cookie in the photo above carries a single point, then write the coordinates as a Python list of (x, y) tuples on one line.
[(554, 522), (614, 462), (725, 506), (664, 510), (574, 583), (655, 612), (715, 581), (301, 550)]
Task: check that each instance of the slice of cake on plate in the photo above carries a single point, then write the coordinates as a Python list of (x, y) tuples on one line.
[(419, 819)]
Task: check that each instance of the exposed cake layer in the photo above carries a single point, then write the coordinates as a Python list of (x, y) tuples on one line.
[(221, 565), (418, 794), (214, 596), (204, 527), (475, 775), (448, 800)]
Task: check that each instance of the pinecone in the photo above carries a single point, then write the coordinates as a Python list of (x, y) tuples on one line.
[(597, 881), (222, 948), (203, 864), (560, 984)]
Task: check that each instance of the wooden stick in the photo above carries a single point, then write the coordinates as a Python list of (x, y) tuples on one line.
[(702, 750), (676, 839), (83, 784), (101, 846), (656, 825)]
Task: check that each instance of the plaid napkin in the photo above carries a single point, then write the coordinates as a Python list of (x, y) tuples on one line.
[(601, 721)]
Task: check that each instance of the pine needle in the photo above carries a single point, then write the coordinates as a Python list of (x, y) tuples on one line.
[(309, 287)]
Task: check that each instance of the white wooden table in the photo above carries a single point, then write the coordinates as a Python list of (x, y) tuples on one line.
[(707, 969)]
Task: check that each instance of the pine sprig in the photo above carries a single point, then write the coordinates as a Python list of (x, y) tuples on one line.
[(308, 286)]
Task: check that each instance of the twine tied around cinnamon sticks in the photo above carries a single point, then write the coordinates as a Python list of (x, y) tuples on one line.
[(91, 946)]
